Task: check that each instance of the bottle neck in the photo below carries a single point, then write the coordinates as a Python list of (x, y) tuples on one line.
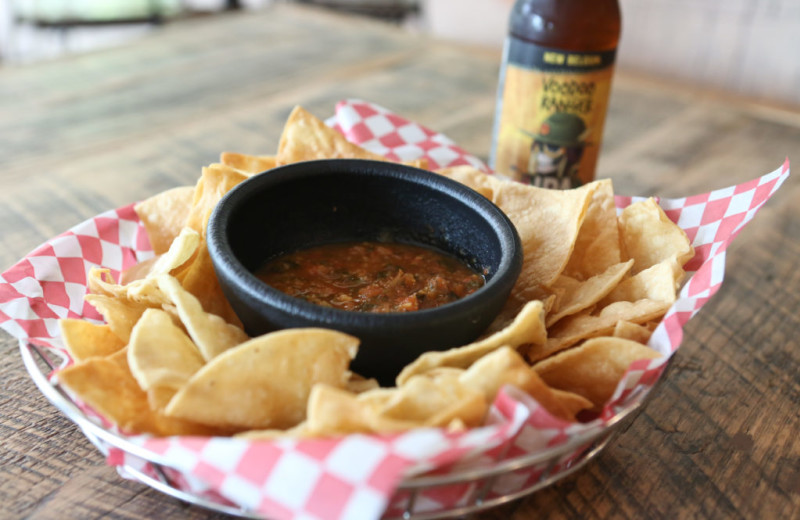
[(577, 25)]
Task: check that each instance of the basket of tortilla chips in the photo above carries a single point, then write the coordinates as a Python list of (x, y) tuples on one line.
[(123, 326)]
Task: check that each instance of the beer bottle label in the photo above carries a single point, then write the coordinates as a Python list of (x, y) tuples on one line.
[(551, 106)]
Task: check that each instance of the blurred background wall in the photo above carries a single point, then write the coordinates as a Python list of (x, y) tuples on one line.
[(34, 30), (748, 47)]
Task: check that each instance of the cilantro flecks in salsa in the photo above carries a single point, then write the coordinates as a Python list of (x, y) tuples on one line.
[(371, 276)]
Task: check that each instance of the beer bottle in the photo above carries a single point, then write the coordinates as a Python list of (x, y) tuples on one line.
[(554, 85)]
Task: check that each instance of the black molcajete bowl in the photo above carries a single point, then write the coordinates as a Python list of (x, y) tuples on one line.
[(316, 202)]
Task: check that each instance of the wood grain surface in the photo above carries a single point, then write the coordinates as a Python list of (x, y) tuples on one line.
[(81, 135)]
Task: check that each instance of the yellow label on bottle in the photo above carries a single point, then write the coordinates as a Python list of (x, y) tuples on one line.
[(550, 114)]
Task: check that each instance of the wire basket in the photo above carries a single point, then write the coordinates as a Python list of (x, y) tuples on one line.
[(483, 486)]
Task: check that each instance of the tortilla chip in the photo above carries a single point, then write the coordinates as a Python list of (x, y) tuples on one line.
[(572, 329), (248, 163), (577, 296), (358, 384), (144, 290), (333, 411), (548, 222), (650, 237), (527, 328), (593, 369), (265, 382), (100, 281), (306, 137), (471, 177), (597, 247), (506, 367), (658, 282), (107, 385), (164, 215), (632, 331), (180, 252), (215, 181), (435, 400), (211, 334), (200, 279), (571, 402), (138, 271), (160, 354), (84, 339), (120, 315)]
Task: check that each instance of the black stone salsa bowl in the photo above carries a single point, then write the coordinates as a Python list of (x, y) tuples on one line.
[(317, 202)]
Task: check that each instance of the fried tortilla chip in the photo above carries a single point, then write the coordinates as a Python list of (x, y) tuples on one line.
[(138, 271), (433, 399), (265, 382), (505, 366), (161, 354), (107, 385), (576, 296), (597, 247), (649, 236), (333, 411), (215, 181), (571, 402), (358, 384), (658, 282), (527, 328), (572, 329), (164, 215), (200, 279), (306, 137), (472, 178), (248, 163), (180, 252), (212, 334), (141, 292), (632, 331), (120, 315), (84, 339), (640, 299), (593, 369), (145, 290), (548, 222)]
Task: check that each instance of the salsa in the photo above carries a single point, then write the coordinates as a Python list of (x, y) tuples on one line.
[(371, 276)]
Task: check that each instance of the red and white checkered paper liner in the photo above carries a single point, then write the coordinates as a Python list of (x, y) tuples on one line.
[(356, 476)]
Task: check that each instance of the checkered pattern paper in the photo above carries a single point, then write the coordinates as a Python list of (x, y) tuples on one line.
[(357, 476), (385, 133)]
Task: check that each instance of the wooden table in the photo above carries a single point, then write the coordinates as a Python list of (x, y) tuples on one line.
[(89, 133)]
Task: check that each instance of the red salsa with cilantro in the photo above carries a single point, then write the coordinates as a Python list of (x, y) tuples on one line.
[(371, 276)]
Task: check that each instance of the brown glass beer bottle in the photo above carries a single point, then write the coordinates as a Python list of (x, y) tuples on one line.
[(553, 92)]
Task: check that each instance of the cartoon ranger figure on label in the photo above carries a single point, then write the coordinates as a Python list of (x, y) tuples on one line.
[(556, 151)]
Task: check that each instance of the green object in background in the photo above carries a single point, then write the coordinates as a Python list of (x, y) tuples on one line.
[(55, 11)]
